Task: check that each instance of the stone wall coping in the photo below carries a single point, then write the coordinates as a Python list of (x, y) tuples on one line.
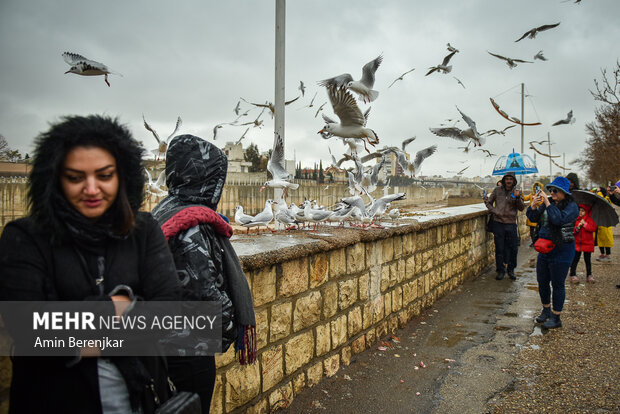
[(260, 251)]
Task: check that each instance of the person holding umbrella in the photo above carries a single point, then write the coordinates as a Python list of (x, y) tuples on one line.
[(556, 247), (504, 202)]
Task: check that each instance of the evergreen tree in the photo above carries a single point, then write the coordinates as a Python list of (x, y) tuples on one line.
[(252, 155)]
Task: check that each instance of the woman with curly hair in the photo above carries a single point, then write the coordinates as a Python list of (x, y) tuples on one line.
[(85, 240)]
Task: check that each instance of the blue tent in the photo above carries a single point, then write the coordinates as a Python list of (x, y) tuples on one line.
[(516, 163)]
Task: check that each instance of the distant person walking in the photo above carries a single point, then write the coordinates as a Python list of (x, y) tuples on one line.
[(604, 235), (504, 203), (556, 247), (574, 181), (584, 242)]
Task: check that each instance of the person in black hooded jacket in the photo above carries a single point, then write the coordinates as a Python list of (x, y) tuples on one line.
[(84, 240), (208, 267)]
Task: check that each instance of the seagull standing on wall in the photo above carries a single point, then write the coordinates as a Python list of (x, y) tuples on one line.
[(280, 177)]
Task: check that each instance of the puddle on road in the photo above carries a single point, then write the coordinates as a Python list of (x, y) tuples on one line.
[(537, 331), (441, 340)]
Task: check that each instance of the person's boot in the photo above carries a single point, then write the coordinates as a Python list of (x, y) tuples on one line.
[(553, 322), (500, 275), (511, 275), (544, 315)]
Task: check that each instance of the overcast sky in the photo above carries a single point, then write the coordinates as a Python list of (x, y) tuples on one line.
[(196, 58)]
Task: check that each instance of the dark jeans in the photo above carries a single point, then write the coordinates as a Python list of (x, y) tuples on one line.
[(587, 257), (551, 271), (605, 250), (506, 246), (194, 374)]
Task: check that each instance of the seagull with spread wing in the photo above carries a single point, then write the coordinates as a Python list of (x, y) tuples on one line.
[(533, 32), (280, 177), (460, 134), (443, 67), (155, 188), (86, 67), (400, 77), (495, 131), (364, 86), (487, 152), (352, 120), (413, 168), (569, 120), (162, 144), (512, 63), (540, 56)]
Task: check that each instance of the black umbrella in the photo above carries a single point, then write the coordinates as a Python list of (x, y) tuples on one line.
[(602, 213)]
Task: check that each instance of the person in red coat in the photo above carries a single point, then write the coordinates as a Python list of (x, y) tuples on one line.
[(584, 242)]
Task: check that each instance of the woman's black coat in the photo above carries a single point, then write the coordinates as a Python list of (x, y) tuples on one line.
[(32, 269)]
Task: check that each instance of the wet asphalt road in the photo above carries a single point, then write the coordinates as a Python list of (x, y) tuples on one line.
[(465, 341)]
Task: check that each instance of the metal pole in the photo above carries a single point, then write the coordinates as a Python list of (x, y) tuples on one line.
[(279, 80), (549, 142), (522, 117)]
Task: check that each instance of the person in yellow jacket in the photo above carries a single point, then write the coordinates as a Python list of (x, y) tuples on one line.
[(537, 186), (604, 235)]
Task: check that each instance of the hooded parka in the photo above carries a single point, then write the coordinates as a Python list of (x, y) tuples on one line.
[(207, 265), (584, 236)]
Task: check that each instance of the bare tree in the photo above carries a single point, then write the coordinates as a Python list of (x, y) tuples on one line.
[(599, 159), (608, 89)]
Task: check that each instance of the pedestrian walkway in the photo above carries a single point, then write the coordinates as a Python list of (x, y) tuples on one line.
[(477, 350)]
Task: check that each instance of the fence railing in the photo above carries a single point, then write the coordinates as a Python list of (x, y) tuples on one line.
[(13, 196)]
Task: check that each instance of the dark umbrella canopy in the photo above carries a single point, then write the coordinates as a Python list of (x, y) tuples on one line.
[(602, 213)]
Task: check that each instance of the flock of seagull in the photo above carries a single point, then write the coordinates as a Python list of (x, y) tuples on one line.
[(350, 128)]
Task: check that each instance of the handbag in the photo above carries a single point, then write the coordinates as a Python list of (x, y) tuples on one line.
[(489, 226), (183, 402), (544, 245)]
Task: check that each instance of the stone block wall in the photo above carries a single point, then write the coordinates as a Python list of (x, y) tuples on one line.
[(317, 308)]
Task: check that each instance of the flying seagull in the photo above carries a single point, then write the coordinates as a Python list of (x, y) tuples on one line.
[(459, 81), (487, 152), (271, 106), (540, 56), (400, 77), (451, 48), (532, 33), (320, 109), (460, 134), (352, 120), (162, 144), (302, 88), (509, 61), (237, 108), (495, 131), (443, 66), (413, 168), (569, 119), (364, 86), (86, 67)]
